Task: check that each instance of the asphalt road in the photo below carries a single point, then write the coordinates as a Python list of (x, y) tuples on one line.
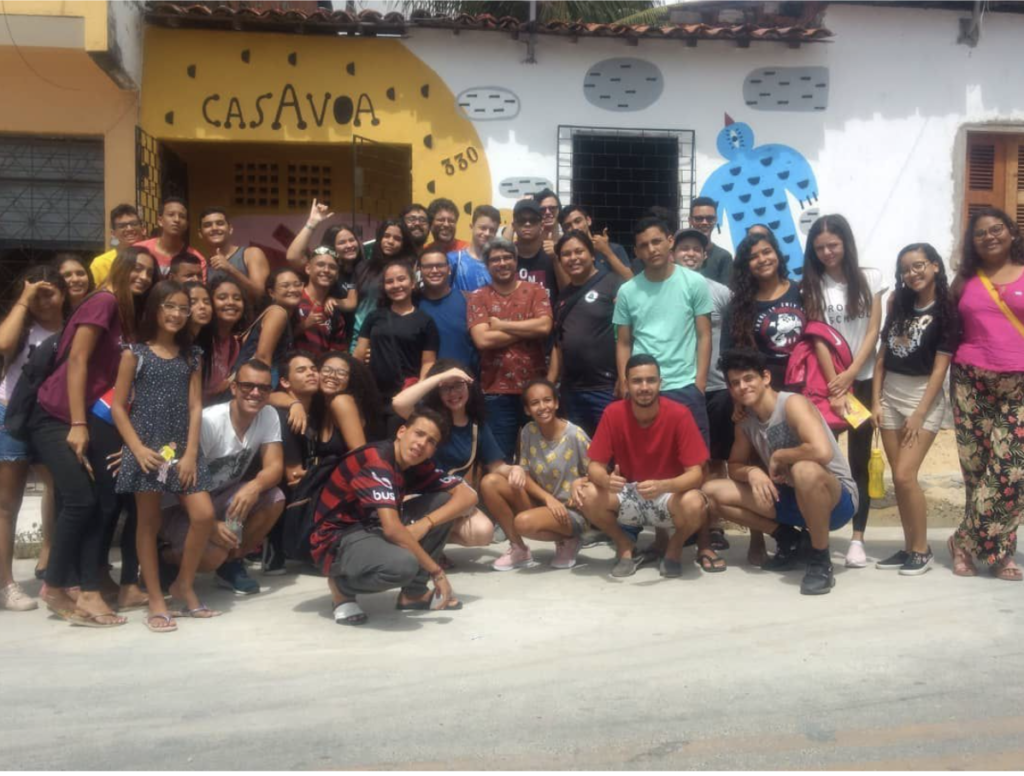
[(542, 669)]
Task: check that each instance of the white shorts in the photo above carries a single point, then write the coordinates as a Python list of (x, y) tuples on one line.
[(639, 512), (901, 396)]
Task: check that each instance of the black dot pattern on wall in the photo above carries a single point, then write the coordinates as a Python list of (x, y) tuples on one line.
[(169, 117), (428, 141), (293, 59), (246, 55), (468, 208), (350, 68), (432, 187), (391, 93), (425, 90), (191, 70)]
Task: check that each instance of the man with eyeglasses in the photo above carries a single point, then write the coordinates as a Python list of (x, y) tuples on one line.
[(704, 217), (447, 306), (443, 215), (416, 221), (125, 229), (550, 206), (246, 509)]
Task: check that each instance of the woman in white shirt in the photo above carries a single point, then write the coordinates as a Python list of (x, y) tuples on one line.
[(837, 291)]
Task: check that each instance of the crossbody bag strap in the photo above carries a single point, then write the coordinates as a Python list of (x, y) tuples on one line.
[(1004, 308), (468, 465)]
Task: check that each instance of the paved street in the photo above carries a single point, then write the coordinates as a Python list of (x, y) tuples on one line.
[(542, 669)]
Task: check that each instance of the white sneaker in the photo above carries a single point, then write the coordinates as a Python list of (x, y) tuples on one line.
[(856, 558), (14, 598)]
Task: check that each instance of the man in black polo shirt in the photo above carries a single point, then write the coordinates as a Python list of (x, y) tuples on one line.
[(584, 353), (535, 265)]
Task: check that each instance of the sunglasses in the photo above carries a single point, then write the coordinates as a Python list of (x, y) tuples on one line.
[(246, 388)]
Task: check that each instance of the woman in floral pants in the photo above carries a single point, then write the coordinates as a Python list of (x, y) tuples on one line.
[(988, 388)]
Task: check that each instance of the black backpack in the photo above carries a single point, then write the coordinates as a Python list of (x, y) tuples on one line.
[(300, 511), (41, 363)]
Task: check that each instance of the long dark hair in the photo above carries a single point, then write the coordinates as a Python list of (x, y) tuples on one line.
[(744, 288), (970, 260), (363, 390), (128, 307), (476, 407), (206, 335), (150, 324), (858, 292), (331, 237), (903, 297), (63, 257), (369, 272)]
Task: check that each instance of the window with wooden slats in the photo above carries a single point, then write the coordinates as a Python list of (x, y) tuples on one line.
[(995, 173)]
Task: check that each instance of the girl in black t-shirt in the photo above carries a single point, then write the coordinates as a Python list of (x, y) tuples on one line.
[(401, 340), (908, 401)]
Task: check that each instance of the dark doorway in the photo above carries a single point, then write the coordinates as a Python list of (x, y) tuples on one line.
[(617, 174)]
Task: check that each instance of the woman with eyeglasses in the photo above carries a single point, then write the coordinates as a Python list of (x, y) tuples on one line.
[(839, 292), (988, 394), (909, 404), (71, 435)]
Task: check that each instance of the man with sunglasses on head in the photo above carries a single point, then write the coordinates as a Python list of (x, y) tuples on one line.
[(125, 229), (246, 507), (704, 218)]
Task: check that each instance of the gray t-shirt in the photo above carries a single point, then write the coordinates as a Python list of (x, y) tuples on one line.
[(554, 463), (721, 296), (776, 434)]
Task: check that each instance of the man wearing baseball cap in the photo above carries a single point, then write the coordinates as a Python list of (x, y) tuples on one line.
[(535, 266)]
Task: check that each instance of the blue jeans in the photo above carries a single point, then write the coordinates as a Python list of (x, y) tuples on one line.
[(584, 408), (691, 398), (505, 416)]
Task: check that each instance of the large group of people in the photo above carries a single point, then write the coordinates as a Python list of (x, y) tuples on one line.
[(366, 404)]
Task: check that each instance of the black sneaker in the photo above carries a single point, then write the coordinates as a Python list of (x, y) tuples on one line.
[(819, 579), (273, 560), (233, 576), (918, 563), (893, 561), (787, 540)]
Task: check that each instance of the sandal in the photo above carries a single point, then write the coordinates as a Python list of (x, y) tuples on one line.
[(349, 613), (718, 540), (710, 563), (1002, 570), (446, 563), (201, 612), (169, 625), (89, 620), (963, 566), (454, 605)]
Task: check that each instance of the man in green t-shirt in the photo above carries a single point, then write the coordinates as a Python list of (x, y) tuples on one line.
[(666, 312)]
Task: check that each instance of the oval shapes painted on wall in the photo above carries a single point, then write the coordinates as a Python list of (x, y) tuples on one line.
[(488, 103), (623, 84), (789, 89), (516, 187)]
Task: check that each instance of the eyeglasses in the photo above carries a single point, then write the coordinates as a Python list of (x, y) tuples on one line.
[(127, 225), (993, 231), (264, 389), (915, 269), (338, 373), (415, 219), (527, 221), (170, 307), (455, 387), (433, 267), (703, 219)]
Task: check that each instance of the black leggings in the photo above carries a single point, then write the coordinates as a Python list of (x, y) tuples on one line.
[(104, 440), (85, 507), (858, 453)]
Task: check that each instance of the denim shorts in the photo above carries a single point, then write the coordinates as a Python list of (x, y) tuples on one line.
[(11, 450)]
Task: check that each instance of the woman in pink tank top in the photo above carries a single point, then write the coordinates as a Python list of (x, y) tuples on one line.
[(988, 394)]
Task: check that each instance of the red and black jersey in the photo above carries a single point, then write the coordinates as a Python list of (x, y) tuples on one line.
[(368, 479)]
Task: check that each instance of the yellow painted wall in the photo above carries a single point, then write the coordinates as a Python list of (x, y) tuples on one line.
[(293, 89), (93, 11), (65, 93)]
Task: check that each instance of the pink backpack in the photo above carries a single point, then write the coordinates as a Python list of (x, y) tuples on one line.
[(804, 373)]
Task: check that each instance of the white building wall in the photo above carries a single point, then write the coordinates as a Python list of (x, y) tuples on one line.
[(887, 151)]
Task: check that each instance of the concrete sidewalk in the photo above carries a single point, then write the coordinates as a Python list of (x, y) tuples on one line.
[(542, 669)]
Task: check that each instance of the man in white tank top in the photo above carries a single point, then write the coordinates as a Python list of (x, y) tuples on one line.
[(804, 480)]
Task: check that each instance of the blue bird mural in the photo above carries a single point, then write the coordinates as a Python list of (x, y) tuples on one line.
[(752, 185)]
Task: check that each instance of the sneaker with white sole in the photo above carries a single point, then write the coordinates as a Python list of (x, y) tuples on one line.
[(917, 563), (15, 599), (856, 558), (515, 557), (894, 561), (566, 551)]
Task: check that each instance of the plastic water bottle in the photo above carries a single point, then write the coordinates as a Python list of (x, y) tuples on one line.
[(876, 474)]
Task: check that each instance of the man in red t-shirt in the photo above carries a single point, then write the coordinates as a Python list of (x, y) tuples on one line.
[(173, 223), (647, 463), (508, 320)]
